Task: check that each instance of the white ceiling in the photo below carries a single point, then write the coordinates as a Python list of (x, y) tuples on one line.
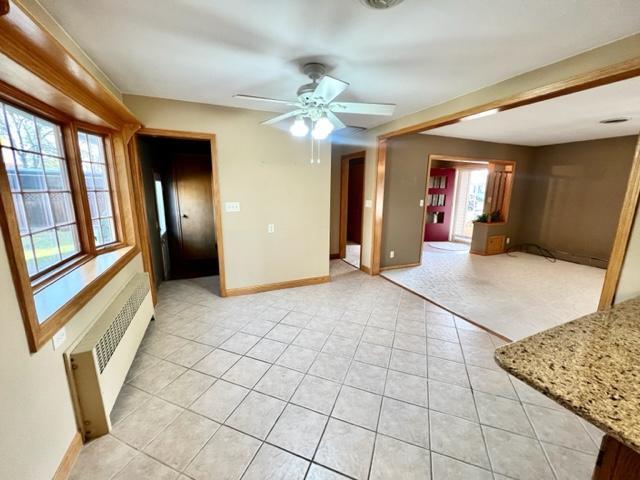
[(418, 54), (570, 118)]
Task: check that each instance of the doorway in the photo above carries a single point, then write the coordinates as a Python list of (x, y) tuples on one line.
[(351, 207), (178, 184), (456, 197)]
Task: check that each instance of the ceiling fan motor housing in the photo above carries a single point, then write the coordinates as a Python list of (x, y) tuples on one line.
[(381, 4)]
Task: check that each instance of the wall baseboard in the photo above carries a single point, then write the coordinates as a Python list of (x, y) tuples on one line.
[(393, 267), (365, 269), (334, 256), (232, 292), (69, 459)]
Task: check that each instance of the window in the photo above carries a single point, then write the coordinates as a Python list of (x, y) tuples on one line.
[(36, 167), (96, 176)]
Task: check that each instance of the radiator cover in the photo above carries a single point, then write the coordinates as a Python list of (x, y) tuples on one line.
[(101, 360)]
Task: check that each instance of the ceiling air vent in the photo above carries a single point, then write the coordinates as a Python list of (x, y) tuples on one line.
[(381, 4)]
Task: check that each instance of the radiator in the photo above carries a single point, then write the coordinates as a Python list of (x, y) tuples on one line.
[(101, 360)]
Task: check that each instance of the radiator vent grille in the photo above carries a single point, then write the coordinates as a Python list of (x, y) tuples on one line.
[(111, 338)]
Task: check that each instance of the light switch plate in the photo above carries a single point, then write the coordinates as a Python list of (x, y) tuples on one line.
[(392, 253), (232, 206), (422, 202), (271, 228), (59, 338), (368, 204)]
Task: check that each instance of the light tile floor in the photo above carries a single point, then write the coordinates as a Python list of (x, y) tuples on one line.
[(356, 378), (353, 254)]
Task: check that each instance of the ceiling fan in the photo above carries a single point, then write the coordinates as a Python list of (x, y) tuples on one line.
[(316, 102)]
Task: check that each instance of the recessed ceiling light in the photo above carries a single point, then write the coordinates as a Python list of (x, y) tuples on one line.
[(608, 121), (381, 4), (486, 113)]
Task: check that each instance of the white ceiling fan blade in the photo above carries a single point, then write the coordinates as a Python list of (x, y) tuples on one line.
[(328, 89), (264, 99), (337, 123), (284, 116), (363, 108)]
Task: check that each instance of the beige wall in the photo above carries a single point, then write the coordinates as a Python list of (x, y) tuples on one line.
[(268, 172), (612, 53), (405, 186), (575, 195), (37, 422)]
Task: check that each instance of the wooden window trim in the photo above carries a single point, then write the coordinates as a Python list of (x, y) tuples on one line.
[(29, 286)]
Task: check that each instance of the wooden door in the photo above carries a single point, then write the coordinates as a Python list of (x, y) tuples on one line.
[(440, 188), (194, 207), (355, 202)]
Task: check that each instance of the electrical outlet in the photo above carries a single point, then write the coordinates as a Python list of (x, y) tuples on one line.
[(392, 254), (368, 204), (508, 240), (59, 338), (422, 202), (271, 228), (232, 207)]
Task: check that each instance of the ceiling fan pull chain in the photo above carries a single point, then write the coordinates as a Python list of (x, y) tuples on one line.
[(311, 149)]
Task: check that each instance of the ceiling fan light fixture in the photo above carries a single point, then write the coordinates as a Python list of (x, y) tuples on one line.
[(299, 128), (322, 128)]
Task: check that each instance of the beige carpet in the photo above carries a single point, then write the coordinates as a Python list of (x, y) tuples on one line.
[(514, 295)]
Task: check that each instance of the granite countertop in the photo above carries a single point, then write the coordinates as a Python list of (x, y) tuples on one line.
[(590, 365)]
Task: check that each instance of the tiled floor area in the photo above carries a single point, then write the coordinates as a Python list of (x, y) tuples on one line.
[(356, 378), (515, 295), (353, 254)]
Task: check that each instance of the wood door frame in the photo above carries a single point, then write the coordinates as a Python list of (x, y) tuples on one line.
[(141, 207), (602, 76), (459, 159), (344, 200)]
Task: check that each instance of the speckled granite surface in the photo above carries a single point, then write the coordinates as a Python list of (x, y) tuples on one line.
[(590, 365)]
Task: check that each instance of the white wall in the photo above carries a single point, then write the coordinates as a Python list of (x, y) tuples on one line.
[(629, 284), (268, 172)]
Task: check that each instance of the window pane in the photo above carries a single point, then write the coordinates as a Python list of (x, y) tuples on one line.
[(10, 166), (96, 149), (97, 232), (22, 129), (62, 206), (50, 141), (4, 130), (88, 175), (21, 215), (108, 232), (28, 255), (36, 206), (68, 240), (84, 147), (93, 205), (99, 176), (54, 168), (30, 171), (45, 245), (104, 204)]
